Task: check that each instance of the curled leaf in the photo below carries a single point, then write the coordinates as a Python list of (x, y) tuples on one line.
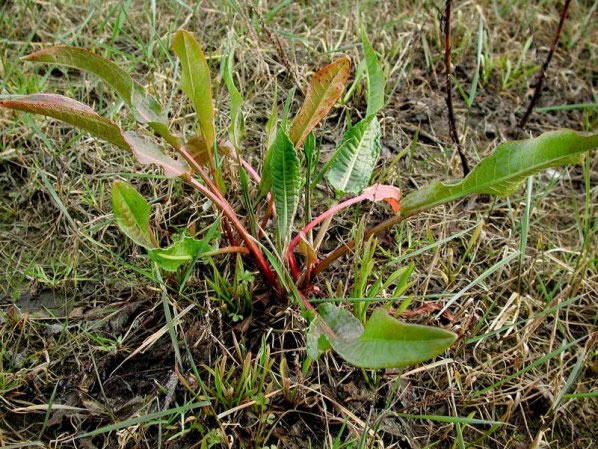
[(180, 252), (148, 152), (383, 192)]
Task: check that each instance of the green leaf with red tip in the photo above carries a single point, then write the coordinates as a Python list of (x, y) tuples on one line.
[(144, 106), (69, 111), (323, 92)]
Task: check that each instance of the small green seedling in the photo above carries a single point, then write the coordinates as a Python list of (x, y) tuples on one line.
[(290, 172)]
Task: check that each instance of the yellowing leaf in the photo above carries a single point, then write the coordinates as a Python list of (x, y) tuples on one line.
[(196, 146), (324, 90)]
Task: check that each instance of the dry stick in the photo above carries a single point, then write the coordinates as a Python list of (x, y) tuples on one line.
[(274, 40), (449, 87), (226, 250), (542, 75)]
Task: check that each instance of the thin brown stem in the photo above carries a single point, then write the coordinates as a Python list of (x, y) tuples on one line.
[(449, 87), (226, 250), (542, 75), (269, 212), (342, 250)]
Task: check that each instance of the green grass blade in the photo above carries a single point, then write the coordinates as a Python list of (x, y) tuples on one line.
[(477, 280), (144, 419), (527, 368), (451, 419), (476, 74)]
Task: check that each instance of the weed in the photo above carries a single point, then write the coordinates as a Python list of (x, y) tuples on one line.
[(384, 341)]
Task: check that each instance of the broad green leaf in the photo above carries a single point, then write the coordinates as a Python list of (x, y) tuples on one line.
[(145, 107), (266, 180), (286, 183), (375, 77), (148, 152), (69, 111), (385, 342), (180, 252), (323, 92), (195, 82), (503, 172), (350, 168), (236, 129), (132, 213)]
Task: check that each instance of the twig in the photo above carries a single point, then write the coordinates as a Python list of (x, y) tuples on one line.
[(275, 41), (449, 86), (542, 75)]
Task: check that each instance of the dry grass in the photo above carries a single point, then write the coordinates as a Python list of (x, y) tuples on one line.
[(78, 300)]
